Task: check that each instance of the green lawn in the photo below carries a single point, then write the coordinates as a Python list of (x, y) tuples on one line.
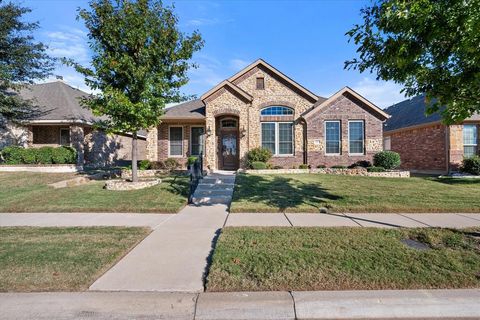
[(61, 259), (29, 192), (256, 259), (311, 192)]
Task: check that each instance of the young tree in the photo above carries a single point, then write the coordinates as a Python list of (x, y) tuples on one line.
[(140, 60), (22, 60), (431, 47)]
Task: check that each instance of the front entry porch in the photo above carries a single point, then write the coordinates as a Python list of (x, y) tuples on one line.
[(227, 142)]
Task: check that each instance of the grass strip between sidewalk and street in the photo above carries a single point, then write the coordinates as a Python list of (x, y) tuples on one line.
[(345, 258), (61, 259)]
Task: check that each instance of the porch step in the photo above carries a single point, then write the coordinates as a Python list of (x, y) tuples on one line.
[(212, 193), (217, 180), (215, 186), (212, 200)]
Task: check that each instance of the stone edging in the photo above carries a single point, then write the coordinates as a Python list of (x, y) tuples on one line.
[(45, 168), (336, 171), (122, 185)]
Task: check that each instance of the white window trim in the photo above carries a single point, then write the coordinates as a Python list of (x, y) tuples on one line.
[(470, 145), (277, 115), (69, 137), (170, 155), (277, 138), (339, 135), (348, 137), (190, 143)]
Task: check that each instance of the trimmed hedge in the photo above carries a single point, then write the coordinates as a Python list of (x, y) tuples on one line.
[(258, 155), (387, 159), (258, 165), (43, 155), (471, 165), (376, 169)]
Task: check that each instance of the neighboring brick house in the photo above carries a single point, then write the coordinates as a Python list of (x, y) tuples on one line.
[(260, 106), (59, 119), (424, 143)]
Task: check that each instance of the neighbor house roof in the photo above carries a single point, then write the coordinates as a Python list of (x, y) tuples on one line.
[(412, 112), (57, 101), (194, 109)]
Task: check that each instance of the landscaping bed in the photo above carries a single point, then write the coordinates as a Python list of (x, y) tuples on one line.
[(29, 192), (337, 193), (284, 259), (359, 171), (61, 259)]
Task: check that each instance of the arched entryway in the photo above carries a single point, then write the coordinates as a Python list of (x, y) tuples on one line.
[(227, 142)]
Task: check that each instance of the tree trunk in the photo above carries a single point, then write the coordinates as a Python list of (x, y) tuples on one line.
[(134, 157)]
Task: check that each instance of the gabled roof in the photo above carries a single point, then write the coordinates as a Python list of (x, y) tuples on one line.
[(194, 109), (228, 84), (57, 101), (412, 112), (319, 105), (261, 62)]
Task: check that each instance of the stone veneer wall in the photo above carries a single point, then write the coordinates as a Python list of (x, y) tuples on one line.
[(343, 109), (422, 148), (455, 147)]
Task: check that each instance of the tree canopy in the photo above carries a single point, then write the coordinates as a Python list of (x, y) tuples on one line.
[(431, 47), (22, 60)]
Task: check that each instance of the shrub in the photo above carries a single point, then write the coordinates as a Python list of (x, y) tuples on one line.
[(303, 166), (361, 163), (64, 155), (29, 156), (12, 155), (376, 169), (387, 159), (277, 167), (338, 167), (191, 160), (258, 155), (144, 165), (171, 164), (157, 165), (321, 166), (44, 155), (471, 165), (259, 165)]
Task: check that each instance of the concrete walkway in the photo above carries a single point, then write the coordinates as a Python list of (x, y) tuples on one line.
[(172, 258), (372, 304), (380, 220), (151, 220)]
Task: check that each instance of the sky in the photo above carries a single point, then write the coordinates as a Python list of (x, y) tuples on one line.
[(303, 39)]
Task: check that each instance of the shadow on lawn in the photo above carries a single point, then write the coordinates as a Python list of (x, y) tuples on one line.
[(458, 181), (281, 192)]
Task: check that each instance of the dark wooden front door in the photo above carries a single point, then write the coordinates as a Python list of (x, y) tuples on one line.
[(228, 150)]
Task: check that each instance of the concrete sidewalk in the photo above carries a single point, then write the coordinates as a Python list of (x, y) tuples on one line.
[(172, 258), (380, 220), (373, 304), (151, 220)]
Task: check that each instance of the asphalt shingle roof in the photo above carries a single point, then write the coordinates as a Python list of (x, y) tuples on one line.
[(194, 109)]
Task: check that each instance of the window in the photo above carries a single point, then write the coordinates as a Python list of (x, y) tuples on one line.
[(355, 137), (175, 138), (277, 111), (278, 137), (260, 83), (65, 137), (229, 123), (470, 140), (332, 137), (387, 144), (196, 140)]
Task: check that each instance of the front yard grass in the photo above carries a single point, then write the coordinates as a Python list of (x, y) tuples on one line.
[(61, 259), (311, 192), (29, 192), (256, 259)]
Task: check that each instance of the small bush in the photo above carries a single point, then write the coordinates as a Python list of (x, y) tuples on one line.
[(171, 164), (12, 155), (277, 167), (44, 155), (321, 166), (29, 156), (157, 165), (259, 165), (191, 160), (144, 165), (258, 155), (376, 169), (471, 165), (387, 159), (361, 163), (303, 166), (64, 155), (338, 167)]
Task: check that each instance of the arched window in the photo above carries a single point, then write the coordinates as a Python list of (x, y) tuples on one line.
[(229, 123), (277, 111)]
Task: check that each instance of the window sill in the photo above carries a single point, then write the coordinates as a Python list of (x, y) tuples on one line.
[(170, 156), (356, 154), (283, 156)]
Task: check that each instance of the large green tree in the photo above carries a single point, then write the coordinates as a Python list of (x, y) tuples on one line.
[(22, 60), (140, 60), (431, 47)]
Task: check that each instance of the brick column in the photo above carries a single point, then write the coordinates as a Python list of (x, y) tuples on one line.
[(455, 151), (29, 134), (152, 144), (77, 141)]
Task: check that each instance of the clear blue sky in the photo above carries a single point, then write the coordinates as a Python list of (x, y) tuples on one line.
[(304, 39)]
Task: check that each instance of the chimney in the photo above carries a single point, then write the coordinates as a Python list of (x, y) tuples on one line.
[(60, 78)]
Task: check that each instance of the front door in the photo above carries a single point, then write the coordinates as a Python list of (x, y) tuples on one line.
[(229, 150)]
